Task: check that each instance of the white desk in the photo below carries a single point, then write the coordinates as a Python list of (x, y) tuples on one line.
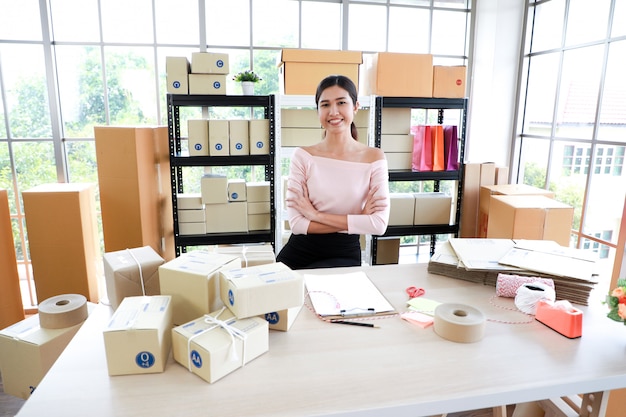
[(318, 368)]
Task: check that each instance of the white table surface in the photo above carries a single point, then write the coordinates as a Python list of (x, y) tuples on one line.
[(318, 368)]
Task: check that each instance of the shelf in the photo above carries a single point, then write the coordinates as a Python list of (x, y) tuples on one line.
[(218, 100), (186, 161), (430, 229), (424, 102), (225, 238), (406, 175)]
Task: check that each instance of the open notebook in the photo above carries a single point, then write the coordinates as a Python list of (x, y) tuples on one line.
[(346, 295)]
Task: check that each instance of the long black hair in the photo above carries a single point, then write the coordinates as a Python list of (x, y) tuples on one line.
[(345, 83)]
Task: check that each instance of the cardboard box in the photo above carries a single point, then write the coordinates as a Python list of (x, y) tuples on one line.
[(177, 70), (135, 190), (206, 348), (387, 251), (487, 173), (432, 208), (209, 63), (299, 118), (189, 201), (227, 217), (191, 216), (239, 137), (394, 74), (192, 228), (484, 200), (219, 138), (449, 81), (258, 191), (502, 175), (28, 351), (236, 190), (301, 70), (261, 289), (260, 221), (63, 239), (192, 280), (259, 207), (259, 130), (395, 121), (198, 136), (396, 143), (294, 137), (138, 338), (532, 217), (210, 84), (401, 209), (131, 272), (282, 320), (214, 189), (399, 160), (469, 207), (250, 255), (11, 308)]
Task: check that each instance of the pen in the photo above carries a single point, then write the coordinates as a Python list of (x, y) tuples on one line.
[(354, 323)]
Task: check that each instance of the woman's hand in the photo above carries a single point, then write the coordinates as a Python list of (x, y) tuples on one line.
[(373, 203)]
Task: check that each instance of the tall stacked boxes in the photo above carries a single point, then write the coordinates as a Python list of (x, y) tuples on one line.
[(395, 74), (301, 70), (131, 272), (396, 139), (191, 214), (208, 73), (258, 205), (138, 338), (192, 280), (222, 215), (134, 202), (11, 308), (63, 239)]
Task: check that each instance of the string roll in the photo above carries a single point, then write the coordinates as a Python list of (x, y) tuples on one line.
[(62, 311), (459, 323), (529, 294)]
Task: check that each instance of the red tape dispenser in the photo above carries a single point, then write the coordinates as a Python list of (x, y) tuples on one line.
[(560, 317)]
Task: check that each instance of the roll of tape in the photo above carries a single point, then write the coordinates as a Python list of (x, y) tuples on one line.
[(62, 311), (528, 295), (459, 323)]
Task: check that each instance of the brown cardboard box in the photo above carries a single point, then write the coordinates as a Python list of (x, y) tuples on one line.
[(449, 81), (469, 208), (138, 338), (11, 308), (395, 74), (301, 70), (136, 208), (387, 251), (227, 217), (532, 217), (486, 191), (63, 239), (432, 208), (502, 175), (399, 160), (131, 272), (401, 209)]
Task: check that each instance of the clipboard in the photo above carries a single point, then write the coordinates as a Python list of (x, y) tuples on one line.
[(345, 296)]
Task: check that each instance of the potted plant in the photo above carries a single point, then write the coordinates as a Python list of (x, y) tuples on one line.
[(247, 79)]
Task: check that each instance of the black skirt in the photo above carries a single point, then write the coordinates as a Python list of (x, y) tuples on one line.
[(321, 251)]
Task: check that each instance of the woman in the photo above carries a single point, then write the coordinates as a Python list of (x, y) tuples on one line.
[(338, 189)]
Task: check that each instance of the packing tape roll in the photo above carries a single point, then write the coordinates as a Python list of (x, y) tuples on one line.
[(459, 323), (63, 311)]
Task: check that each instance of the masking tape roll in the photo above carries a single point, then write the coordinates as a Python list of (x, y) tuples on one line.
[(62, 311), (459, 323)]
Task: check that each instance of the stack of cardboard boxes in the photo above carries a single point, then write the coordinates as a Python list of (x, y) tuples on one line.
[(212, 137)]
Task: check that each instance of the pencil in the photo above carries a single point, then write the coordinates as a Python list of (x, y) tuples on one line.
[(354, 323)]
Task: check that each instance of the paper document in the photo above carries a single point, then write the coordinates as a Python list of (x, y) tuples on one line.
[(345, 295), (481, 254)]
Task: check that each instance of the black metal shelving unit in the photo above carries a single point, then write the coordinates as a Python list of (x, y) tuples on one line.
[(439, 104), (178, 161)]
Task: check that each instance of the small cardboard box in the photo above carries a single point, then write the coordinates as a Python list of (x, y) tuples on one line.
[(396, 121), (300, 136), (259, 207), (219, 138), (299, 118), (209, 63), (189, 201), (239, 137), (210, 84), (395, 74), (282, 320), (191, 216), (259, 221), (192, 228), (251, 255), (198, 132), (432, 208), (192, 280), (130, 272), (399, 160), (396, 143), (387, 251), (484, 199), (449, 81), (207, 349), (301, 70), (237, 190), (532, 217), (258, 191), (401, 209), (227, 217), (177, 70), (471, 191), (259, 130), (261, 289), (28, 351), (138, 338), (214, 189)]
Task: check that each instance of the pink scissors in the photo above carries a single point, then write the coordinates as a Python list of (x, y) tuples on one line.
[(415, 292)]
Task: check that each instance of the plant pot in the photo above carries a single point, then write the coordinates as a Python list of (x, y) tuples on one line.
[(248, 88)]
